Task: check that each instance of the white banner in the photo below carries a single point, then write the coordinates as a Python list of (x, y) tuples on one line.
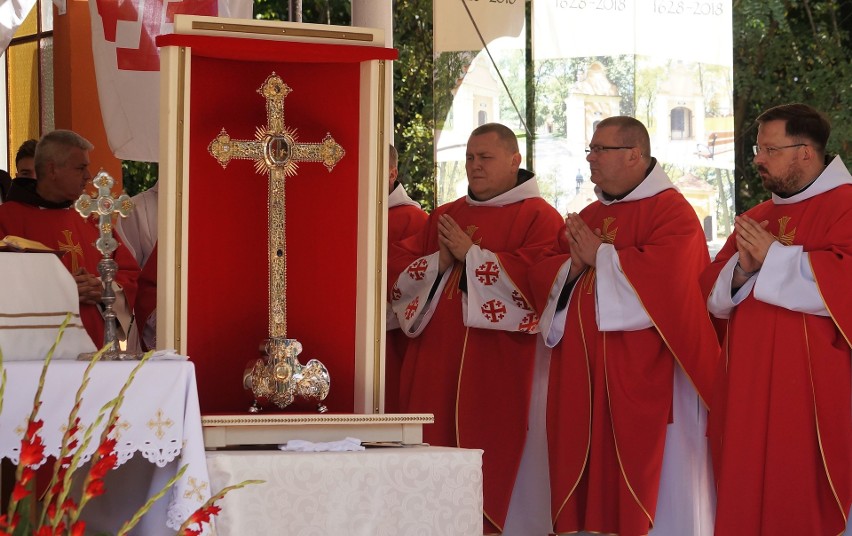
[(696, 31), (454, 30), (12, 15), (127, 65)]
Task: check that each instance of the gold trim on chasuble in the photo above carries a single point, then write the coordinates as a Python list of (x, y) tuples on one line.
[(452, 289), (816, 420), (589, 433), (615, 438), (276, 152), (606, 234)]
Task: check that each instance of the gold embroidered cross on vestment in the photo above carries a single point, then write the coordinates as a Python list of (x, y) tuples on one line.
[(783, 235), (607, 237), (74, 249)]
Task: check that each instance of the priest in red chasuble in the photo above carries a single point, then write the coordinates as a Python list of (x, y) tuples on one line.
[(634, 350), (41, 209), (781, 427), (459, 288), (405, 218)]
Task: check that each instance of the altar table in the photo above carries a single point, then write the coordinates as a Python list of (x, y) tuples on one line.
[(159, 420), (376, 492)]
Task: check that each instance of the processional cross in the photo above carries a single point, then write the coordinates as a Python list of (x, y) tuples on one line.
[(106, 206), (276, 152)]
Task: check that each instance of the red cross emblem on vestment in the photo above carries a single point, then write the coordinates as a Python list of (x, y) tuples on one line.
[(395, 293), (520, 301), (417, 270), (494, 311), (412, 308), (487, 273), (528, 323)]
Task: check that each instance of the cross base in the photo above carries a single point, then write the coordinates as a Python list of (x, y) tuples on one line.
[(112, 356)]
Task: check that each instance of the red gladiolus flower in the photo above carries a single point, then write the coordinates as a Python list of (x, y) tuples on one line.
[(191, 532), (32, 451), (20, 492), (78, 529), (13, 524), (103, 465), (95, 488), (33, 427), (69, 505), (27, 474), (203, 515), (106, 447), (51, 510)]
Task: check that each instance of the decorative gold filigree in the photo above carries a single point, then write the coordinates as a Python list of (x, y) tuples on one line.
[(276, 152), (607, 236), (783, 236)]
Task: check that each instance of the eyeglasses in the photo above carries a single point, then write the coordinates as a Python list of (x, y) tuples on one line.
[(770, 151), (598, 149)]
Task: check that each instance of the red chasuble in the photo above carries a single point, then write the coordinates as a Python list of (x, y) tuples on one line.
[(146, 299), (610, 393), (781, 431), (477, 381), (404, 220), (66, 230)]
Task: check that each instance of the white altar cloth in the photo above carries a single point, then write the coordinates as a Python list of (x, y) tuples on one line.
[(159, 419), (377, 492)]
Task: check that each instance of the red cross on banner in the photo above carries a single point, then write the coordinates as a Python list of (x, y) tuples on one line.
[(127, 65), (396, 294)]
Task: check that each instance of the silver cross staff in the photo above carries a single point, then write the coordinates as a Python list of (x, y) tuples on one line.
[(106, 206)]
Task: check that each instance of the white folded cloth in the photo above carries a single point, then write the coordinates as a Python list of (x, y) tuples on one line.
[(300, 445), (169, 354)]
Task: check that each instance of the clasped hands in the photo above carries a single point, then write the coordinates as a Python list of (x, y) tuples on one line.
[(453, 242), (89, 288), (583, 242), (753, 242)]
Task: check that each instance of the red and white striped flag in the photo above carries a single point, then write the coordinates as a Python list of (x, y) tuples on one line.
[(127, 65)]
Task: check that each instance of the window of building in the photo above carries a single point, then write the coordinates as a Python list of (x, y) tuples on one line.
[(27, 66)]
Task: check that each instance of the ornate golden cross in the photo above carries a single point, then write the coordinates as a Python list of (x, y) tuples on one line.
[(73, 248), (276, 152)]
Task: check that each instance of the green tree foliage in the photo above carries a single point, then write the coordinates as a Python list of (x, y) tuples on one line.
[(337, 12), (786, 51), (414, 105), (138, 176)]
